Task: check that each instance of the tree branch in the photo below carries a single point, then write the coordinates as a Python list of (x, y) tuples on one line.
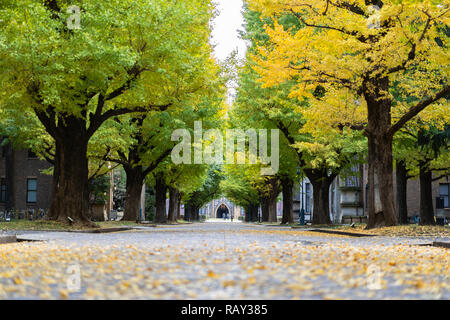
[(414, 111)]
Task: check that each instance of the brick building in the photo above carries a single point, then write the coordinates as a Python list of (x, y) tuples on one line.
[(23, 186)]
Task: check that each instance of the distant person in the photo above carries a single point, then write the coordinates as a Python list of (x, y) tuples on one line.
[(232, 217)]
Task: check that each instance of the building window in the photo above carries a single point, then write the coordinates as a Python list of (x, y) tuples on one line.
[(31, 190), (2, 190), (353, 179), (307, 197), (444, 193)]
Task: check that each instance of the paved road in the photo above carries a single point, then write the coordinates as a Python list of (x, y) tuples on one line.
[(221, 261)]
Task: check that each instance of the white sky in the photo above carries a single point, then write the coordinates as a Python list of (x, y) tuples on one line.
[(225, 34)]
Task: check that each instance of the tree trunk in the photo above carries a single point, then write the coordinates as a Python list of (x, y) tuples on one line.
[(269, 202), (265, 201), (381, 191), (54, 202), (273, 209), (179, 207), (9, 162), (255, 208), (426, 196), (288, 200), (321, 182), (195, 214), (321, 200), (173, 204), (71, 194), (187, 211), (160, 194), (135, 181), (251, 213), (402, 184)]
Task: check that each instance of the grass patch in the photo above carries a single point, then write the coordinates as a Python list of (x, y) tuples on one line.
[(43, 225), (33, 225), (412, 230)]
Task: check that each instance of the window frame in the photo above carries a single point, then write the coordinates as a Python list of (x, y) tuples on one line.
[(30, 190), (445, 196)]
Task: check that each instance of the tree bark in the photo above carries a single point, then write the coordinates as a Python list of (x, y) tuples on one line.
[(173, 204), (160, 194), (321, 181), (273, 208), (251, 213), (71, 197), (426, 195), (9, 177), (135, 181), (402, 185), (195, 214), (381, 191), (179, 207), (287, 185), (254, 209), (187, 211), (269, 202), (265, 209)]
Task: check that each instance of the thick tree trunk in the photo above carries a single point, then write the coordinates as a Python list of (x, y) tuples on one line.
[(321, 200), (173, 204), (71, 194), (265, 202), (195, 214), (160, 195), (135, 181), (321, 182), (179, 207), (381, 191), (273, 209), (254, 209), (251, 213), (402, 184), (247, 214), (9, 162), (187, 211), (288, 200), (269, 202), (426, 196)]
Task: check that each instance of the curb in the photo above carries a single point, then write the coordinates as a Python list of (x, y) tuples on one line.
[(441, 244), (8, 239), (342, 233), (106, 230)]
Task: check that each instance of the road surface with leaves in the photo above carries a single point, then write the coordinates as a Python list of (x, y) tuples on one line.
[(222, 261)]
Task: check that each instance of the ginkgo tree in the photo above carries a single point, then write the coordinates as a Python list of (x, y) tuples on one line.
[(361, 48), (312, 141), (76, 72)]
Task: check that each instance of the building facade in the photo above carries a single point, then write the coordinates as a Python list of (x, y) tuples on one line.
[(349, 197), (23, 185), (216, 208)]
